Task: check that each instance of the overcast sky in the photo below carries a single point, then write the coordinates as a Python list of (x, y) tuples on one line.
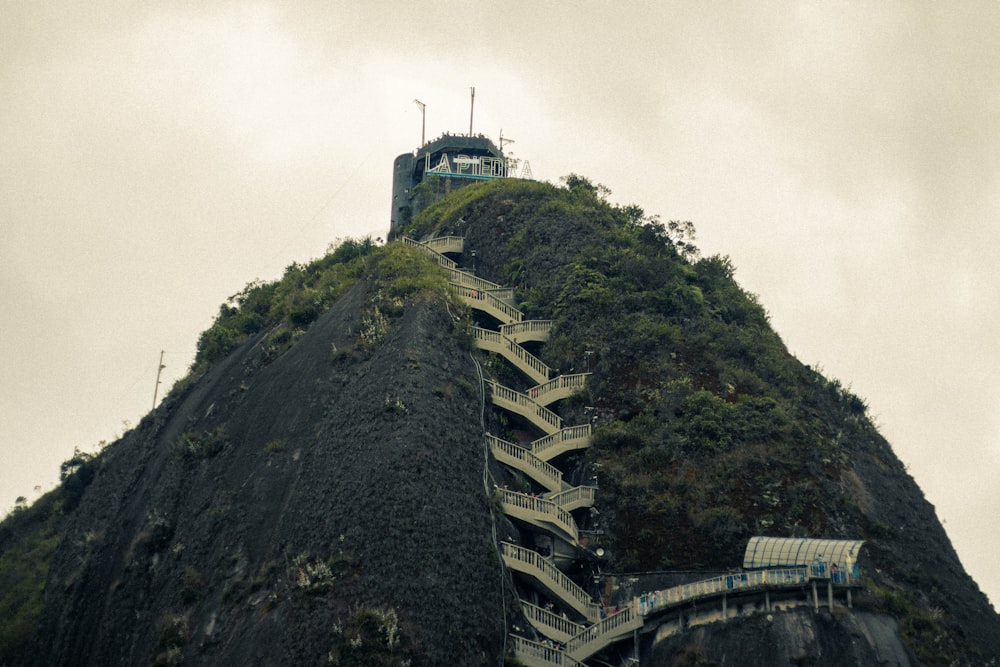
[(157, 156)]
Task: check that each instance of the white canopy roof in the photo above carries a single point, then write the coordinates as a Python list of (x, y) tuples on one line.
[(790, 551)]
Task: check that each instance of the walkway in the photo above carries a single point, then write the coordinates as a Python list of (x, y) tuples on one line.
[(550, 512), (569, 642)]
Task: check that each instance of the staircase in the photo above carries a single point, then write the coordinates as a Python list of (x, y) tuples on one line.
[(566, 641)]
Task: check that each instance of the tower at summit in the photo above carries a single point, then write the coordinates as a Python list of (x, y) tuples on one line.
[(442, 165)]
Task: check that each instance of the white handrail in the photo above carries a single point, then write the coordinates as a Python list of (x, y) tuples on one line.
[(567, 439), (540, 510), (536, 654), (537, 330), (528, 561), (527, 363), (552, 625), (574, 497), (521, 458), (515, 401), (438, 257), (562, 386), (482, 300), (600, 634), (655, 600), (443, 244), (469, 279)]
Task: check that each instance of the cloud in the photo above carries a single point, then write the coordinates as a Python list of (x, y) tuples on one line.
[(159, 156)]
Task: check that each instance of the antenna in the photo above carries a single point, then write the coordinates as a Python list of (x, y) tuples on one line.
[(504, 141), (472, 109), (158, 371), (423, 120)]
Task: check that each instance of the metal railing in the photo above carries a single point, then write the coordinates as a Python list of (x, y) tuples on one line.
[(558, 388), (469, 279), (599, 635), (482, 300), (565, 440), (534, 564), (521, 458), (550, 624), (656, 600), (540, 511), (443, 244), (515, 401), (574, 497), (527, 363), (537, 654), (528, 330), (438, 257)]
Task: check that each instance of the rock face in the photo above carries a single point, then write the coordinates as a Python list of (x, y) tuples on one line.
[(325, 496), (798, 637), (278, 510)]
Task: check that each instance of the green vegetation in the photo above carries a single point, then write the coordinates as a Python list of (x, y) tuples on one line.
[(285, 306), (371, 638), (23, 569), (702, 414), (193, 446), (174, 632), (275, 446), (708, 430), (29, 536)]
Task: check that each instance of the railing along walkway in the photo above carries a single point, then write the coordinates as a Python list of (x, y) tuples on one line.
[(581, 645), (574, 497), (443, 244), (481, 285), (564, 440), (442, 261), (528, 330), (516, 402), (486, 302), (608, 630), (547, 391), (541, 512), (558, 388), (552, 511), (554, 626), (471, 280), (536, 654), (727, 583), (522, 459), (547, 574), (593, 638), (435, 247), (524, 361)]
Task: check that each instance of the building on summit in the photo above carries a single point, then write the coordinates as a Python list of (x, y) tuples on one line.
[(442, 165)]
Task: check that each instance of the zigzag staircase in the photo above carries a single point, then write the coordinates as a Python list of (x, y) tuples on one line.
[(567, 642)]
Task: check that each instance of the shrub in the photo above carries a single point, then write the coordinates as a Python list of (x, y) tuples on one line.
[(275, 446), (203, 445), (173, 635)]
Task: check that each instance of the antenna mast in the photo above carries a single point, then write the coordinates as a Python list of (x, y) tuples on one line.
[(504, 141), (159, 370), (472, 109), (423, 120)]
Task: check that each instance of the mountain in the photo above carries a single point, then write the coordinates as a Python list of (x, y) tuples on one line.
[(535, 424)]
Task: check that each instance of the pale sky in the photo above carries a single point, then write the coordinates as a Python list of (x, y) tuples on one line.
[(157, 156)]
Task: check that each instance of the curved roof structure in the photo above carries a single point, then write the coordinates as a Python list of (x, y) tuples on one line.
[(791, 551)]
